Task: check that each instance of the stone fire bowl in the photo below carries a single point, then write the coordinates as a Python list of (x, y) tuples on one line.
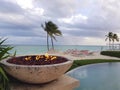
[(36, 73)]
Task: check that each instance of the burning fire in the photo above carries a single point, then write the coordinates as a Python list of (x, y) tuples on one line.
[(47, 56), (38, 57), (28, 58)]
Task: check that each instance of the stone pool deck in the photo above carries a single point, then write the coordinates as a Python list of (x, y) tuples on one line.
[(63, 83)]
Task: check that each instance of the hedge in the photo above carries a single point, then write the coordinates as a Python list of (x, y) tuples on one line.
[(111, 53)]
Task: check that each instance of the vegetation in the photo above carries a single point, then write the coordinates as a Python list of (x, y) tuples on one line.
[(52, 31), (115, 38), (111, 53), (109, 38), (4, 53), (112, 37), (78, 63)]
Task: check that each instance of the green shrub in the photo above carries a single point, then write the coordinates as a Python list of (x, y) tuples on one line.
[(78, 63), (4, 53), (111, 53)]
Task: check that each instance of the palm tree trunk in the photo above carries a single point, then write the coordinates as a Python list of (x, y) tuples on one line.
[(113, 45), (52, 43), (109, 44), (47, 42)]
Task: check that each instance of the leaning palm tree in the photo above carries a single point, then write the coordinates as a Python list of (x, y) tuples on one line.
[(46, 28), (115, 38), (109, 37), (52, 35), (52, 31)]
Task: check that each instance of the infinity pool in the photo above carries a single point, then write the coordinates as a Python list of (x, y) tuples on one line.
[(104, 76)]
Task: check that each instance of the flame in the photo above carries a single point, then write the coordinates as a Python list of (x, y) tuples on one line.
[(47, 56), (38, 57), (41, 56), (53, 58), (28, 58)]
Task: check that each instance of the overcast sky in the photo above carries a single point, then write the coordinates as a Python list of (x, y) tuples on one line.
[(82, 22)]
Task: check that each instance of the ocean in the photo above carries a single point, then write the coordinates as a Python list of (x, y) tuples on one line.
[(39, 49)]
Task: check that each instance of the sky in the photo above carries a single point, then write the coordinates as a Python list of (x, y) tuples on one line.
[(82, 22)]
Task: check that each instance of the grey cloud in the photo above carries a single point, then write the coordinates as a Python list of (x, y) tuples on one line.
[(14, 26), (9, 7), (94, 23), (102, 15), (57, 8), (18, 27), (84, 33), (102, 18), (22, 33), (27, 40)]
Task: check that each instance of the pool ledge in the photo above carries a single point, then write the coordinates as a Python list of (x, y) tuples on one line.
[(65, 82)]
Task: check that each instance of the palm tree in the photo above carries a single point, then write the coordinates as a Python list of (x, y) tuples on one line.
[(52, 31), (46, 28), (109, 37), (115, 38)]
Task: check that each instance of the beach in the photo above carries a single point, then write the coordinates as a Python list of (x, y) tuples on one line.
[(73, 52), (96, 55), (38, 49)]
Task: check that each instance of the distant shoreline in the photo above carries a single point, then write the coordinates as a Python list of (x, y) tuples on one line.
[(50, 45), (36, 49)]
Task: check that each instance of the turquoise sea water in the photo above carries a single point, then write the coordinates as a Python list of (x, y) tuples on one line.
[(38, 49)]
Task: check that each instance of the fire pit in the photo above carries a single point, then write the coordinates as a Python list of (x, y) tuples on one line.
[(36, 68)]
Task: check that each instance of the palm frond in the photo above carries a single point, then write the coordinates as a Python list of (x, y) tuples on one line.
[(3, 73), (106, 39), (1, 42), (4, 53)]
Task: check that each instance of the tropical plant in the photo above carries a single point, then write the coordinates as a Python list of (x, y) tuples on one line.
[(109, 37), (52, 31), (45, 27), (115, 38), (112, 37), (4, 53)]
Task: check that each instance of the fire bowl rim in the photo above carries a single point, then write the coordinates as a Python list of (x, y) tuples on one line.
[(4, 62)]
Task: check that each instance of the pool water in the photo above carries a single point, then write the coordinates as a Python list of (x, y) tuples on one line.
[(103, 76)]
